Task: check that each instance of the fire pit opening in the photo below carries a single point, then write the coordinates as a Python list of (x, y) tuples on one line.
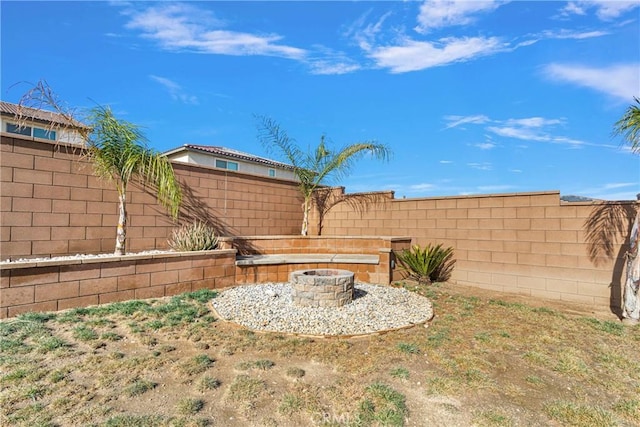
[(321, 287)]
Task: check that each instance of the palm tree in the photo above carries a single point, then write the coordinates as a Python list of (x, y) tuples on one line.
[(119, 154), (313, 169), (117, 150), (629, 126)]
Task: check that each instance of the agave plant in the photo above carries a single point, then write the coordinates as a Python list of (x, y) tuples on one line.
[(196, 236), (433, 263)]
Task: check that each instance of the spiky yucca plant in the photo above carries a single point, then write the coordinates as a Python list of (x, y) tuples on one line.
[(196, 236), (433, 263)]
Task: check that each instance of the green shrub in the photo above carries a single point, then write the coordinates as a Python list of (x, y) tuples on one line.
[(197, 236), (433, 263)]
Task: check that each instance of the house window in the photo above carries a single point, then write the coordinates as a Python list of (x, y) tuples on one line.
[(20, 130), (44, 133), (36, 132), (272, 172), (224, 164)]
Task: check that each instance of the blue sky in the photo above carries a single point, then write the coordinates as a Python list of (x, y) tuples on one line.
[(473, 97)]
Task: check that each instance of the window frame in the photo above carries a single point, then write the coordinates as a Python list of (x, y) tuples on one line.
[(30, 130)]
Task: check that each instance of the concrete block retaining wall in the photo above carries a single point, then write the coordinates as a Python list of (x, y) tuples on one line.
[(382, 272), (530, 243), (57, 285)]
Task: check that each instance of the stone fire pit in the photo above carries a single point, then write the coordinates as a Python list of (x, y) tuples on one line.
[(321, 287)]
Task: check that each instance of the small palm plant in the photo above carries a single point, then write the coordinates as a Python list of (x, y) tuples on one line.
[(433, 263)]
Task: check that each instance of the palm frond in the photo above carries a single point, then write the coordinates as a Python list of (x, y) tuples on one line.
[(629, 126), (433, 263)]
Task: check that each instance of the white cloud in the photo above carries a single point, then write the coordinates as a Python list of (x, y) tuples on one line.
[(446, 162), (485, 145), (612, 191), (605, 10), (445, 13), (422, 187), (484, 166), (571, 34), (455, 121), (182, 26), (175, 90), (619, 81), (412, 55), (534, 122), (527, 129)]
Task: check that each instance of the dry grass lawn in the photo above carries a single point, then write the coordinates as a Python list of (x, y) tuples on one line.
[(485, 360)]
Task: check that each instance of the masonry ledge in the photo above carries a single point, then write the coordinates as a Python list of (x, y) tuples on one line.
[(244, 260)]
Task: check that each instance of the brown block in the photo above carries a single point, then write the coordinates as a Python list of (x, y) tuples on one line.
[(150, 292), (32, 176), (71, 233), (30, 233), (503, 212), (545, 224), (517, 200), (517, 224), (164, 277), (49, 219), (98, 286), (69, 180), (562, 286), (15, 189), (36, 276), (504, 257), (191, 274), (85, 301), (21, 204), (86, 194), (491, 202), (69, 206), (225, 282), (14, 250), (52, 165), (79, 272), (561, 236), (123, 268), (116, 296), (177, 288), (530, 235), (149, 266), (16, 160), (532, 259), (133, 281), (56, 291), (38, 307), (50, 247), (538, 283), (16, 296), (86, 246), (16, 219)]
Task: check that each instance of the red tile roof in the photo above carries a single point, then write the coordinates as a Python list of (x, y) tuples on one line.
[(231, 153), (39, 115)]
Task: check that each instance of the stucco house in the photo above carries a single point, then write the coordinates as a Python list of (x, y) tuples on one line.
[(230, 159), (39, 124)]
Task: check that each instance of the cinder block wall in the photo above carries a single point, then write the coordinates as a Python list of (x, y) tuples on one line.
[(529, 243), (51, 204)]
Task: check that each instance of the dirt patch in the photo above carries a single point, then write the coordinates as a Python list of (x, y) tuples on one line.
[(485, 359)]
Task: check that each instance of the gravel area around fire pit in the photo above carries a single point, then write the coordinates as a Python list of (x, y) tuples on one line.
[(375, 308)]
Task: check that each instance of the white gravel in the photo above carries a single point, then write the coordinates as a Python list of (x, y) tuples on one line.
[(81, 256), (375, 308)]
